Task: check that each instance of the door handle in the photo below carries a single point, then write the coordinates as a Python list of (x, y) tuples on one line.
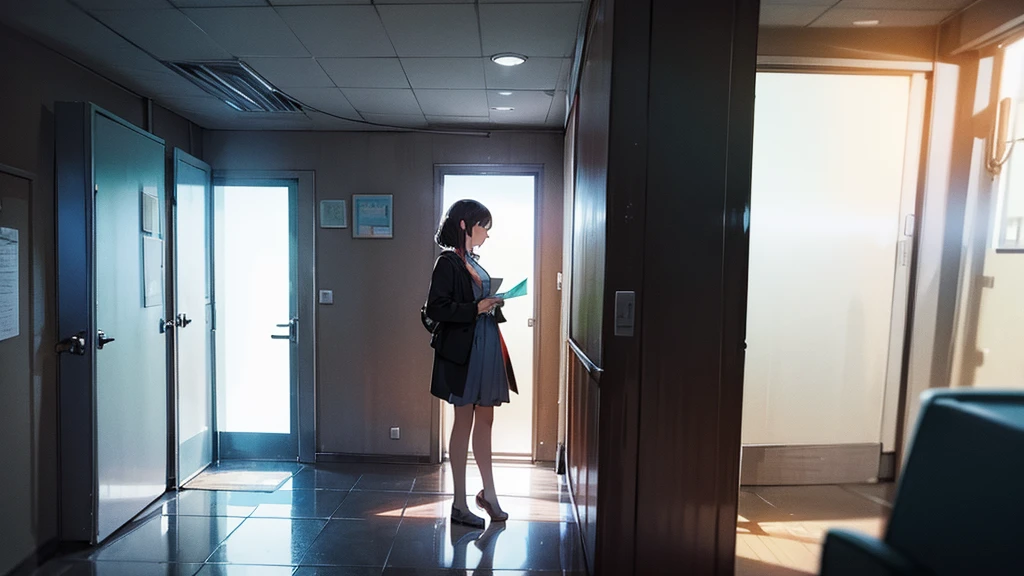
[(102, 340), (293, 331), (74, 345), (183, 320)]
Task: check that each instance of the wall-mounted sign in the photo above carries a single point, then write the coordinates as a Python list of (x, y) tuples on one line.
[(333, 214), (372, 216)]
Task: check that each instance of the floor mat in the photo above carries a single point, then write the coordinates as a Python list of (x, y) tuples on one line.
[(238, 480)]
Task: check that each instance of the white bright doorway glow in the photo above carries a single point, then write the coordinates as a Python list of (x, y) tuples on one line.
[(254, 375), (826, 237), (508, 254)]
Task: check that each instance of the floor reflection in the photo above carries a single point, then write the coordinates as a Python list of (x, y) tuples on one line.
[(345, 520)]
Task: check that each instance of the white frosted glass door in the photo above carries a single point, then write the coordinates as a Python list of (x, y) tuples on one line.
[(826, 233), (256, 319), (194, 318), (507, 254)]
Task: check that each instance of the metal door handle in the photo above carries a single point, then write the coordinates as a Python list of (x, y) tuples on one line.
[(73, 345), (293, 331), (166, 326), (102, 340), (183, 320)]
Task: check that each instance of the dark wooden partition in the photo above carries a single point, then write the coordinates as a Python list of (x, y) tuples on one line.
[(663, 158)]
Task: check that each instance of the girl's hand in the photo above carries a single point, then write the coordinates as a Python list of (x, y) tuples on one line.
[(486, 305)]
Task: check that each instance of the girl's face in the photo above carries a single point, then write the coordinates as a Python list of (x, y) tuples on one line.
[(476, 236)]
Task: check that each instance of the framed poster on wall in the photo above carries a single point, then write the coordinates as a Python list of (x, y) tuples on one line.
[(372, 216), (333, 214)]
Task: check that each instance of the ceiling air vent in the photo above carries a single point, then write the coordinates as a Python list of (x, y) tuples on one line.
[(236, 85)]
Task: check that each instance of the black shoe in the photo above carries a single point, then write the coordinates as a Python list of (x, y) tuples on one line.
[(466, 518)]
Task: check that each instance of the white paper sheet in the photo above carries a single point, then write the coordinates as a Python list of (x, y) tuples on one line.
[(9, 321)]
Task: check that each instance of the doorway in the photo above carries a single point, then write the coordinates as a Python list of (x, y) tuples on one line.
[(834, 186), (263, 321), (193, 318), (510, 193)]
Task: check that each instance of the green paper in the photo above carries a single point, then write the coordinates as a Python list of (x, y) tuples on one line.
[(515, 292)]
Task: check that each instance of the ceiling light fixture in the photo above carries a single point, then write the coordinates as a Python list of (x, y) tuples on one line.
[(508, 59), (504, 93), (502, 108), (866, 22)]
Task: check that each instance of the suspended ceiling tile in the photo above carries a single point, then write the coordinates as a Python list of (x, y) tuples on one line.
[(76, 34), (329, 100), (339, 31), (382, 101), (441, 30), (454, 73), (206, 106), (790, 16), (154, 83), (329, 123), (398, 120), (534, 74), (558, 109), (291, 72), (563, 75), (453, 121), (524, 101), (530, 29), (316, 2), (386, 2), (216, 3), (523, 119), (121, 4), (167, 34), (248, 31), (556, 116), (453, 102), (837, 18), (906, 4), (324, 122), (365, 72)]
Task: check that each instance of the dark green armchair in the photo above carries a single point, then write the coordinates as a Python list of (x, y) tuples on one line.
[(959, 507)]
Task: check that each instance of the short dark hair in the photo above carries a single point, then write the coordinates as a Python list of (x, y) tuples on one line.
[(450, 234)]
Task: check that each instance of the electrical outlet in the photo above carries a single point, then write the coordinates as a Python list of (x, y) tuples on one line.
[(327, 296), (396, 432)]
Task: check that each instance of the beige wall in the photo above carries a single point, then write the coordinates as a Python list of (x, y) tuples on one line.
[(373, 355), (34, 78)]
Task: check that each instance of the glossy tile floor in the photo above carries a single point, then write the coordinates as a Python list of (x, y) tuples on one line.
[(780, 529), (346, 520)]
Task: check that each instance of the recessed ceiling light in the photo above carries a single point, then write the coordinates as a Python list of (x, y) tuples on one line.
[(866, 22), (508, 59), (503, 108), (504, 93)]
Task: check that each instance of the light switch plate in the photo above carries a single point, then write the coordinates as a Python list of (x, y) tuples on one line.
[(625, 314), (327, 296)]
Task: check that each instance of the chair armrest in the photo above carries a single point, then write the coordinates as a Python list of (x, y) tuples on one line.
[(849, 553)]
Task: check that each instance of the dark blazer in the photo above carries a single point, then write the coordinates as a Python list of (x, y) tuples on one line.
[(451, 303)]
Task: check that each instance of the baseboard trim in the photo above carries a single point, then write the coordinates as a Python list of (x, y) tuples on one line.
[(344, 458), (780, 465), (560, 459), (887, 467), (42, 555)]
